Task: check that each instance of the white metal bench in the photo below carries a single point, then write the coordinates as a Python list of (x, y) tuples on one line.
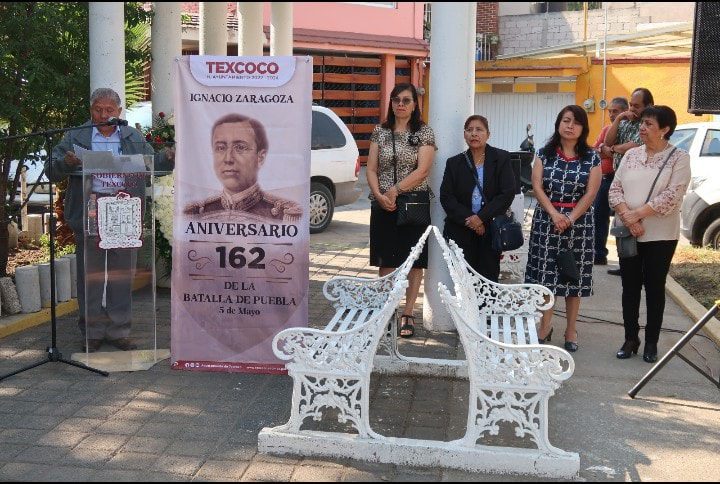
[(331, 367), (511, 377)]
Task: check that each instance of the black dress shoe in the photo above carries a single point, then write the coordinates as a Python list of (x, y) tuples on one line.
[(600, 261), (92, 345), (629, 348), (125, 344), (650, 353), (614, 272)]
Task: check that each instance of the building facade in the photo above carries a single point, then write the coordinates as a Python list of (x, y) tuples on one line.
[(360, 51)]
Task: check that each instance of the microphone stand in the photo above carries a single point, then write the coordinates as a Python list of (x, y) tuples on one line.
[(53, 354)]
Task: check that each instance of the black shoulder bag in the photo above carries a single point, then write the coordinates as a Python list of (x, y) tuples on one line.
[(505, 231), (626, 242), (568, 271), (413, 208)]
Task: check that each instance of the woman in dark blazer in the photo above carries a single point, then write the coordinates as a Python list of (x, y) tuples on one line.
[(470, 211)]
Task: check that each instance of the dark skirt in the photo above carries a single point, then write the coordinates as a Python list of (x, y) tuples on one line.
[(544, 247), (390, 245)]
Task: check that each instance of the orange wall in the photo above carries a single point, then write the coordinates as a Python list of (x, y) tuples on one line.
[(668, 82), (406, 20)]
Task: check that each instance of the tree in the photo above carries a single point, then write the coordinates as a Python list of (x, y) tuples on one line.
[(45, 79)]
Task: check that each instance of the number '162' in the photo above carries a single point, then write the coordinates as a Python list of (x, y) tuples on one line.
[(237, 260)]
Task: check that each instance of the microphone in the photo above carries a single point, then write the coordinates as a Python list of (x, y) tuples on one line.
[(116, 122)]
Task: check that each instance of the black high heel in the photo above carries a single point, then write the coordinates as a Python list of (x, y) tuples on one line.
[(650, 353), (547, 338), (572, 346), (629, 348)]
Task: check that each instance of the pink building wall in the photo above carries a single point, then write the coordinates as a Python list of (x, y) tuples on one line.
[(404, 20)]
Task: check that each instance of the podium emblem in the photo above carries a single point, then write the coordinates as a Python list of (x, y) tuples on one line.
[(120, 221)]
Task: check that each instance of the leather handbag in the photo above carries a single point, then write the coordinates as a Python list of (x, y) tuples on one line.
[(506, 233), (625, 241), (413, 208), (567, 267)]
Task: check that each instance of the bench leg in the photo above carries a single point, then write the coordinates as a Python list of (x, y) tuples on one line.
[(527, 410), (312, 394)]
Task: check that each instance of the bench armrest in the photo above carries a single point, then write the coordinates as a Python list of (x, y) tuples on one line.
[(323, 350), (358, 292)]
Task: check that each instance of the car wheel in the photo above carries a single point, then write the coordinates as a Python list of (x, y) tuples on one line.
[(711, 236), (322, 206)]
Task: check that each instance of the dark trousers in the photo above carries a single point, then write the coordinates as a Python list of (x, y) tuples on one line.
[(482, 257), (602, 217), (113, 319), (649, 269)]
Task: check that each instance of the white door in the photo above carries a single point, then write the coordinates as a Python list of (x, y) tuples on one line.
[(509, 114)]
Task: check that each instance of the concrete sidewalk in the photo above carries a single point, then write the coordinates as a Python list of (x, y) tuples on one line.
[(61, 423)]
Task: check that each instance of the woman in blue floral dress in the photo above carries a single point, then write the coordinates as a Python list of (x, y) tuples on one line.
[(566, 177)]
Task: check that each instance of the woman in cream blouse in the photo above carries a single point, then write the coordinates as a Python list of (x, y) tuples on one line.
[(655, 223)]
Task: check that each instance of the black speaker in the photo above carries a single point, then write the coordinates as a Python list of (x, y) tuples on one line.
[(704, 95)]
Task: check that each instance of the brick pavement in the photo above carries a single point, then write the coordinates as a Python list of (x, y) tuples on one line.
[(61, 423)]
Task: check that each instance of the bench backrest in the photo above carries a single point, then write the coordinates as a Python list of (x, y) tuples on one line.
[(494, 363), (363, 293), (490, 297)]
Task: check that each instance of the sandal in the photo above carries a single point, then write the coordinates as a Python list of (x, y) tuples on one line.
[(407, 326)]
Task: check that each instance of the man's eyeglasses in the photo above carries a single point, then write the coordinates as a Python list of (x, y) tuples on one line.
[(474, 130), (405, 101), (238, 149)]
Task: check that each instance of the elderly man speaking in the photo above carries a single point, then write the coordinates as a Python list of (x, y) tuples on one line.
[(109, 316)]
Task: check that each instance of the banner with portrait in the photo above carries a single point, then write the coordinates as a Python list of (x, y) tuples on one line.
[(241, 227)]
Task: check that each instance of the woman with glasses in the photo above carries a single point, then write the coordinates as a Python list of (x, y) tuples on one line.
[(399, 160), (566, 177), (647, 193), (478, 185)]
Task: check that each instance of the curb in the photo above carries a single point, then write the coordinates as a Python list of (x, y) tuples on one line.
[(693, 308), (20, 322)]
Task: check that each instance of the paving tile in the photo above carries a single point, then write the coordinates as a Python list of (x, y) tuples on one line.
[(191, 447), (158, 429), (132, 460), (37, 422), (86, 457), (60, 438), (268, 471), (54, 409), (317, 473), (229, 450), (96, 411), (76, 424), (177, 464), (21, 436), (119, 427), (226, 469), (152, 445), (69, 474), (8, 451), (106, 442), (42, 454), (18, 471), (106, 475)]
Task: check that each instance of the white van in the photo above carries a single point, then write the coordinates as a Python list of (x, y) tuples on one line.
[(334, 163), (700, 212)]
